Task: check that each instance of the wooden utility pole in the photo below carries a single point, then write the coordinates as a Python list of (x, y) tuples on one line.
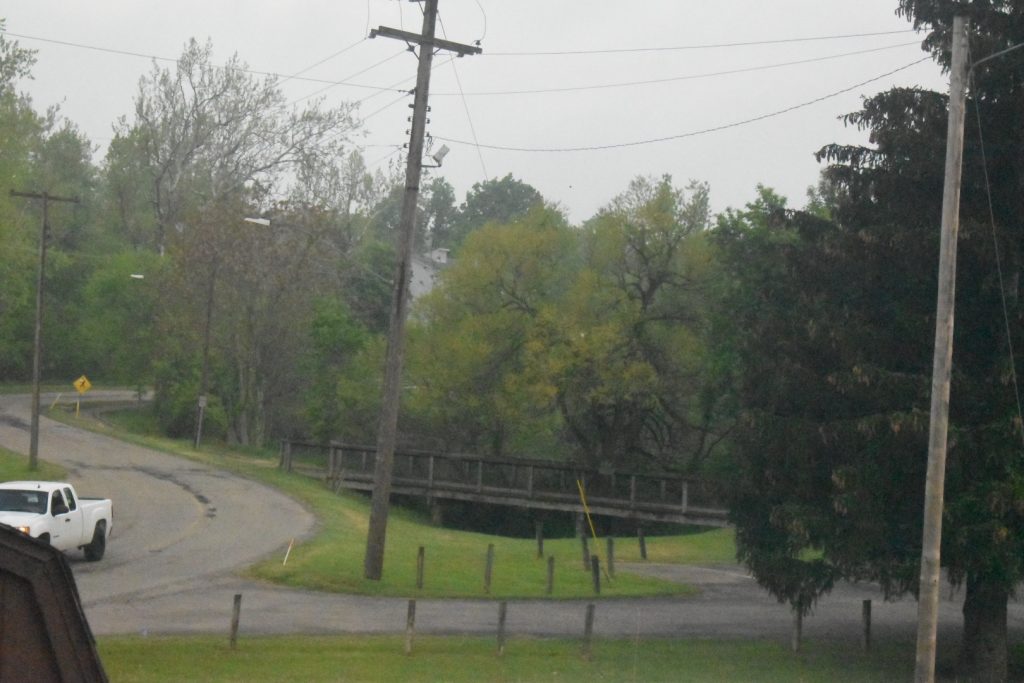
[(373, 564), (37, 344), (928, 595)]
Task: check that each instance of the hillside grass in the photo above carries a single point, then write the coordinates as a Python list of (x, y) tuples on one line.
[(332, 558), (474, 659)]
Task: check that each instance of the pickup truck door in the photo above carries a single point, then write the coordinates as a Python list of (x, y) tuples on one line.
[(67, 522)]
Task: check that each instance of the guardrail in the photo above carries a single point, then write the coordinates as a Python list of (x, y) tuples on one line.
[(521, 482)]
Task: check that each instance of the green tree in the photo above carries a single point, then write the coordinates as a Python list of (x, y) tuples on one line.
[(120, 300), (623, 351), (202, 131), (831, 322), (468, 352), (336, 339), (439, 212), (492, 201), (20, 130)]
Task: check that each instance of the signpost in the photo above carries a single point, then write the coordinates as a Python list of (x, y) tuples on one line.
[(82, 385)]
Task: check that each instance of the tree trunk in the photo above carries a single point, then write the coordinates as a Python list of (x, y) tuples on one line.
[(983, 656)]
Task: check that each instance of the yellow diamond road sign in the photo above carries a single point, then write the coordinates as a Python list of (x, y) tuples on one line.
[(82, 384)]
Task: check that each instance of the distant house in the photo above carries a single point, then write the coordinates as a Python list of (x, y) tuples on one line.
[(425, 269)]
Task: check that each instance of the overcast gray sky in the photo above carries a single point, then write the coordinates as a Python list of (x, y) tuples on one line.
[(610, 43)]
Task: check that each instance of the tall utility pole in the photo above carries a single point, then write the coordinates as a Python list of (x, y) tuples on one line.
[(928, 595), (37, 344), (373, 564)]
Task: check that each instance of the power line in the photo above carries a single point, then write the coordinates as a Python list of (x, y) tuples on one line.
[(329, 83), (699, 46), (703, 131), (325, 59), (465, 106), (174, 60), (671, 79), (344, 80)]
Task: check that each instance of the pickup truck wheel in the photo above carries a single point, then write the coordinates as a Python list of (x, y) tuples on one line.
[(45, 538), (94, 551)]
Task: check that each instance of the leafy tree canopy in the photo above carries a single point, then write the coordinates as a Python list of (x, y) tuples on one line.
[(830, 317)]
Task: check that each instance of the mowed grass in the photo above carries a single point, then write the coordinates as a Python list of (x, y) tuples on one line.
[(475, 660), (332, 558), (14, 467)]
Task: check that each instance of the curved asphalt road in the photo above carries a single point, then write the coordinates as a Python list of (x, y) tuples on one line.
[(181, 530)]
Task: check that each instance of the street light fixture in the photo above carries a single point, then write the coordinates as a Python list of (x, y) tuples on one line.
[(437, 156)]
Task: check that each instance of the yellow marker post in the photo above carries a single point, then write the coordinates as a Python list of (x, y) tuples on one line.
[(590, 521)]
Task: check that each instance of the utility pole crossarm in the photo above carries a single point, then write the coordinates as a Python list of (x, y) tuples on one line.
[(460, 48)]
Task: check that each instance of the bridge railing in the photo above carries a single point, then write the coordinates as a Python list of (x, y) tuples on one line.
[(352, 466)]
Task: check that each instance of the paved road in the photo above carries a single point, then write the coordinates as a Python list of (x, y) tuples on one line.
[(181, 531)]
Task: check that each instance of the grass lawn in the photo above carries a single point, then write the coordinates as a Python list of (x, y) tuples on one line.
[(457, 659), (14, 467)]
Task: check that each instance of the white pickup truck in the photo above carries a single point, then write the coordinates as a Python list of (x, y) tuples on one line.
[(51, 511)]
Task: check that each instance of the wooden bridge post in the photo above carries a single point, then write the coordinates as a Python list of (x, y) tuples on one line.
[(529, 481), (686, 495), (632, 491), (643, 542), (479, 475), (430, 472)]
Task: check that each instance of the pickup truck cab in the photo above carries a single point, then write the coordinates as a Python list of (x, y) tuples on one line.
[(53, 512)]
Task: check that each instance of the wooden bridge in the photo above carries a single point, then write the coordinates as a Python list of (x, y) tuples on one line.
[(518, 482)]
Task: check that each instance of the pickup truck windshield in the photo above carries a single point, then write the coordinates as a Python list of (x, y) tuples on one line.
[(16, 500)]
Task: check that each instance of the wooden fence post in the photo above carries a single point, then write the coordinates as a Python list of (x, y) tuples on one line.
[(588, 631), (420, 561), (586, 552), (538, 526), (866, 617), (502, 614), (488, 568), (236, 613), (643, 542), (410, 626), (287, 456), (610, 559), (551, 575), (798, 628), (595, 571)]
